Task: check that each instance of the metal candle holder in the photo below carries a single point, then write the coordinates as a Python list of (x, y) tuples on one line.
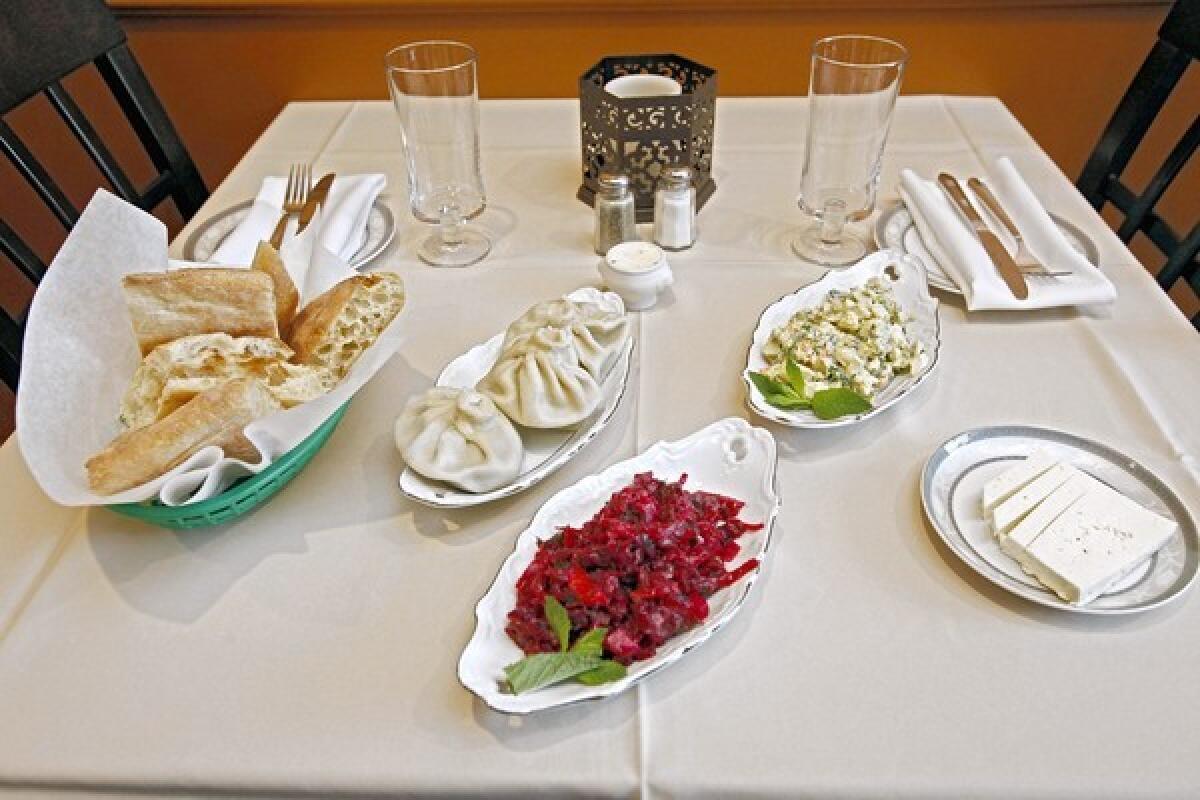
[(640, 135)]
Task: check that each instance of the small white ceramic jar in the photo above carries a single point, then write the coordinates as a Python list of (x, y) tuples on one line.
[(638, 271)]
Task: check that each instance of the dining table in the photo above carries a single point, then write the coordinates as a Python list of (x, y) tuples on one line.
[(310, 648)]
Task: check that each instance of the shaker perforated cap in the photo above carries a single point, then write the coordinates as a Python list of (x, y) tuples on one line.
[(616, 182), (676, 176)]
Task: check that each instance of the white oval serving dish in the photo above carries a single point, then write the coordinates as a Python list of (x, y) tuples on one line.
[(545, 450), (912, 294), (729, 457)]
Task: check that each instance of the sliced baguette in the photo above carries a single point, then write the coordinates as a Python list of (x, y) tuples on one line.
[(267, 261), (214, 417), (165, 306), (333, 330)]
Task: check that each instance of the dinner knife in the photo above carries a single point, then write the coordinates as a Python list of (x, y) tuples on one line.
[(991, 243), (316, 199)]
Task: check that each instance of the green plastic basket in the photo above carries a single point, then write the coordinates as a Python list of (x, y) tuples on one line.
[(243, 497)]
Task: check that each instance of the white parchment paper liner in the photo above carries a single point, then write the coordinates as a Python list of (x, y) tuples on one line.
[(80, 354)]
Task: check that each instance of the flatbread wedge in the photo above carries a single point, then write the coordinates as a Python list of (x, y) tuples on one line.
[(333, 330), (214, 417), (165, 306)]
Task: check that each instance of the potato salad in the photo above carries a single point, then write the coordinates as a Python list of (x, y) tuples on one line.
[(853, 339)]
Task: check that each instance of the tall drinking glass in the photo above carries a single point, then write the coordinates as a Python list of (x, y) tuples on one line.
[(851, 95), (433, 87)]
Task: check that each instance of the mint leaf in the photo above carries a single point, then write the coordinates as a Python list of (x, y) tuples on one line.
[(780, 395), (838, 402), (607, 672), (591, 643), (794, 375), (543, 669), (560, 621)]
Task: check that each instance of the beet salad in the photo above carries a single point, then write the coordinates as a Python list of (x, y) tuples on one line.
[(642, 568)]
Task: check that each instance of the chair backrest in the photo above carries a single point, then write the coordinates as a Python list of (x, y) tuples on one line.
[(41, 42), (1177, 47)]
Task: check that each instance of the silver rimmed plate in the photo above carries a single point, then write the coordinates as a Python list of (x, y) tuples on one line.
[(204, 241), (951, 491), (729, 457), (545, 450), (894, 230), (908, 282)]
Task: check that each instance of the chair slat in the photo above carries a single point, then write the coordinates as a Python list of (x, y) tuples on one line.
[(1182, 263), (19, 253), (36, 175), (92, 143), (1157, 229), (1160, 182), (1137, 110), (149, 120), (10, 350)]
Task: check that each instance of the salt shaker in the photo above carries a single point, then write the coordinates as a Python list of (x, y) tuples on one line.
[(675, 209), (615, 219)]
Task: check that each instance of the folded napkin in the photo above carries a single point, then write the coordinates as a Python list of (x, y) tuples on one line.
[(343, 227), (960, 255)]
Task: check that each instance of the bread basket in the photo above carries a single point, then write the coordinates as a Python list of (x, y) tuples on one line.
[(241, 498)]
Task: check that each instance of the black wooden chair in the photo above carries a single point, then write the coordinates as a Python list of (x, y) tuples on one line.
[(41, 42), (1177, 47)]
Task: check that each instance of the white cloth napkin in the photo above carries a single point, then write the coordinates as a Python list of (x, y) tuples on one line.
[(344, 212), (960, 255)]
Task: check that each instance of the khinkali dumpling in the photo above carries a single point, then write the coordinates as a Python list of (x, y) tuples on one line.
[(458, 436), (597, 330), (539, 382)]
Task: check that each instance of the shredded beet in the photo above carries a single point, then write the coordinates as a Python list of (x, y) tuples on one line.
[(643, 568)]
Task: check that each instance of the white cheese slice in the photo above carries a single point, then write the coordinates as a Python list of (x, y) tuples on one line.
[(1009, 482), (1098, 540), (1020, 537), (1014, 509)]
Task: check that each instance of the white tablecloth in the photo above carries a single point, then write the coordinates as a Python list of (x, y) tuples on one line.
[(313, 644)]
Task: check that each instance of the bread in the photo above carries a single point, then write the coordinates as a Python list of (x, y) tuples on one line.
[(333, 330), (267, 261), (214, 417), (165, 306), (175, 372)]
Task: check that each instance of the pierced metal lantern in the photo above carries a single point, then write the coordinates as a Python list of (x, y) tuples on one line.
[(641, 135)]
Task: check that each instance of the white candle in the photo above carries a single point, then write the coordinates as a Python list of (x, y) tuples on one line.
[(643, 86)]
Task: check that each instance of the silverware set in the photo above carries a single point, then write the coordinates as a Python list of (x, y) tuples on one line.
[(1013, 268), (300, 199)]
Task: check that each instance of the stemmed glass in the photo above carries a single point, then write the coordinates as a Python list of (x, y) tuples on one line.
[(852, 93), (433, 87)]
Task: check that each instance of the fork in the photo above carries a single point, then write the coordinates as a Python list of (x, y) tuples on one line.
[(1025, 260), (294, 198)]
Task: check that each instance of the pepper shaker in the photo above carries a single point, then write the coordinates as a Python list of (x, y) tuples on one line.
[(675, 209), (615, 219)]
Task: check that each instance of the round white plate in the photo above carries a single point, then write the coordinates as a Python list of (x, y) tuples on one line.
[(951, 490), (545, 450), (910, 285), (728, 457), (204, 241), (894, 229)]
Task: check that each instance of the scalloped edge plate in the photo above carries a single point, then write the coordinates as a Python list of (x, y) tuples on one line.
[(912, 293), (545, 450), (729, 456)]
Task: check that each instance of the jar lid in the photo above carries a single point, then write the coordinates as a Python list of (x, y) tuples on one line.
[(676, 176), (613, 181)]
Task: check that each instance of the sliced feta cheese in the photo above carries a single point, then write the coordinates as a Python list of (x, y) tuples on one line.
[(1020, 537), (1098, 540), (1013, 510), (1009, 482)]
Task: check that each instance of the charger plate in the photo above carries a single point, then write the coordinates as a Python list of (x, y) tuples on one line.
[(951, 491)]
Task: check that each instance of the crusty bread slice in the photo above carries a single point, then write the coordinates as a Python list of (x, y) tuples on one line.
[(175, 372), (333, 330), (267, 261), (216, 416), (165, 306)]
